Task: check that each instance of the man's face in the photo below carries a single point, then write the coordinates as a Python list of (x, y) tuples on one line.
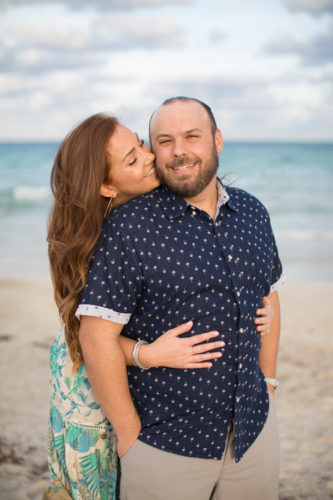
[(185, 148)]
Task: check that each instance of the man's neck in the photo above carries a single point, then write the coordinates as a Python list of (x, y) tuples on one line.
[(207, 199)]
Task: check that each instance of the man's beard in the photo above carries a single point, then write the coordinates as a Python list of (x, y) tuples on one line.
[(191, 187)]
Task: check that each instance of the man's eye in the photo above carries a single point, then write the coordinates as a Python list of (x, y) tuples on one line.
[(164, 141), (132, 162), (192, 136)]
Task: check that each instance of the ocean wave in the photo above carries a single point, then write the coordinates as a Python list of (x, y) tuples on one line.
[(304, 235), (31, 193)]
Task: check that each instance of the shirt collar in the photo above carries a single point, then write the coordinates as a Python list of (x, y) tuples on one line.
[(174, 206)]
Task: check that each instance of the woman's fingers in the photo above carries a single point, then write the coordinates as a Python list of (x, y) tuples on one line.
[(201, 337), (266, 301), (183, 328), (201, 348), (199, 365), (198, 358), (261, 320)]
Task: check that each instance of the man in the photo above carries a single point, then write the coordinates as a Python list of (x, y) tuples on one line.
[(191, 249)]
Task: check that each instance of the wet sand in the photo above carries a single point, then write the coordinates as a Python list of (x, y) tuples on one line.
[(305, 397)]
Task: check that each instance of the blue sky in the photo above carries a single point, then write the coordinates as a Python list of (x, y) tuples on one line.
[(264, 66)]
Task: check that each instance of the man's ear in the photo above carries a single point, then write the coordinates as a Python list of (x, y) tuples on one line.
[(218, 140), (108, 191)]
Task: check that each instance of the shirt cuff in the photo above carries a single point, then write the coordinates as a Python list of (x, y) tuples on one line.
[(103, 313), (280, 282)]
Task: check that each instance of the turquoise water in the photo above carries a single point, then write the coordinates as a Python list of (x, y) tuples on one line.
[(294, 181)]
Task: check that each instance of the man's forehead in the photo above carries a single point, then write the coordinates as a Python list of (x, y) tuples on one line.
[(187, 115)]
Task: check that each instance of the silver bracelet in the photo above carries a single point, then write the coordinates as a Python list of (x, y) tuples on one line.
[(135, 355)]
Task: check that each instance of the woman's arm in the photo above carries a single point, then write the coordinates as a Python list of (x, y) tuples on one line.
[(174, 351), (106, 369)]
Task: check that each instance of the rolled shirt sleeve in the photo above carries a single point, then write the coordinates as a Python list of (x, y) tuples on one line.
[(114, 278)]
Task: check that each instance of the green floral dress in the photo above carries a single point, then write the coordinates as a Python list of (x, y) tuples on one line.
[(82, 447)]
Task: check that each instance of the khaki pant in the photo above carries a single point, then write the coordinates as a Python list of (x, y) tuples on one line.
[(148, 473)]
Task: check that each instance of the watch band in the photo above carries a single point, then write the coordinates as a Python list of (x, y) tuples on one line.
[(274, 381)]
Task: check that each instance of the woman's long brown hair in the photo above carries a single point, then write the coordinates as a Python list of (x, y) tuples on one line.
[(80, 168)]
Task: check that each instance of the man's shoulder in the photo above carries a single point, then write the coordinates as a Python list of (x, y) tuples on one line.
[(140, 207), (243, 199)]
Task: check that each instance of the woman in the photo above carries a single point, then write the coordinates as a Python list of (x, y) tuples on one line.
[(89, 176)]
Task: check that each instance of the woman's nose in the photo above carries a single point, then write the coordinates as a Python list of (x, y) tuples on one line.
[(149, 154)]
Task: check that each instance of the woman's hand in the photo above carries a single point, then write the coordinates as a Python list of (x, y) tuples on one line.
[(264, 317), (187, 352)]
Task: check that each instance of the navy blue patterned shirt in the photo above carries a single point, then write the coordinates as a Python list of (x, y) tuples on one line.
[(161, 262)]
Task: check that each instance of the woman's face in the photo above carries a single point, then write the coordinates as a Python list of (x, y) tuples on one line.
[(132, 169)]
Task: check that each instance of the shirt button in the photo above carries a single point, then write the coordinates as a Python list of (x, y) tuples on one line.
[(240, 366), (237, 400), (229, 258), (238, 294), (241, 330)]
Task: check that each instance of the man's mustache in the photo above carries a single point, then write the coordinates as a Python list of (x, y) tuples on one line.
[(179, 162)]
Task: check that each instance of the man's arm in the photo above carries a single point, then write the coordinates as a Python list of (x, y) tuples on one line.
[(106, 367), (270, 343)]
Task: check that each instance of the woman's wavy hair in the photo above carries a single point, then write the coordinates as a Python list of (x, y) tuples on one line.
[(80, 168)]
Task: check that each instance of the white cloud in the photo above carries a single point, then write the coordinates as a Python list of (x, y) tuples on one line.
[(59, 66), (316, 52), (217, 35), (104, 5), (127, 31), (50, 35), (313, 7)]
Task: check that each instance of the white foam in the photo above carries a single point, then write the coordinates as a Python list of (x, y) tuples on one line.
[(304, 235), (30, 193)]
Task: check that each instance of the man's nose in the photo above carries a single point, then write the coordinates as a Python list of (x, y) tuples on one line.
[(179, 148)]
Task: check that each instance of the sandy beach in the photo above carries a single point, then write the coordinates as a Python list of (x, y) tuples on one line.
[(305, 397)]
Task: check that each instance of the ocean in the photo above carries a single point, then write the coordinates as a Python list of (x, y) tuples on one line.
[(294, 181)]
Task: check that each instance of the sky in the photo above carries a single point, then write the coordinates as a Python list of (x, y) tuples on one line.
[(264, 66)]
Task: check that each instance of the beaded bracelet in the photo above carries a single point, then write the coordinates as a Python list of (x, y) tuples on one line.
[(135, 355)]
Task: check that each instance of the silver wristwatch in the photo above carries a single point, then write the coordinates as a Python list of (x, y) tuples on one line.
[(274, 381)]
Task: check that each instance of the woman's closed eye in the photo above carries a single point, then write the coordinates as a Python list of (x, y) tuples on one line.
[(133, 161)]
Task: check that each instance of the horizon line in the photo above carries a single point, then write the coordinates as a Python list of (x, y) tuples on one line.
[(248, 141)]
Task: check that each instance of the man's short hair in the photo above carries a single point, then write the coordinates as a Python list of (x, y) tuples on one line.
[(172, 100)]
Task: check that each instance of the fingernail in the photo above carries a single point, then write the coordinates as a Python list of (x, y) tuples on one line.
[(218, 354)]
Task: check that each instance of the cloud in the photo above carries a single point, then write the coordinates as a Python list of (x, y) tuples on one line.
[(105, 5), (50, 46), (315, 52), (217, 35), (38, 60), (312, 7), (125, 32)]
